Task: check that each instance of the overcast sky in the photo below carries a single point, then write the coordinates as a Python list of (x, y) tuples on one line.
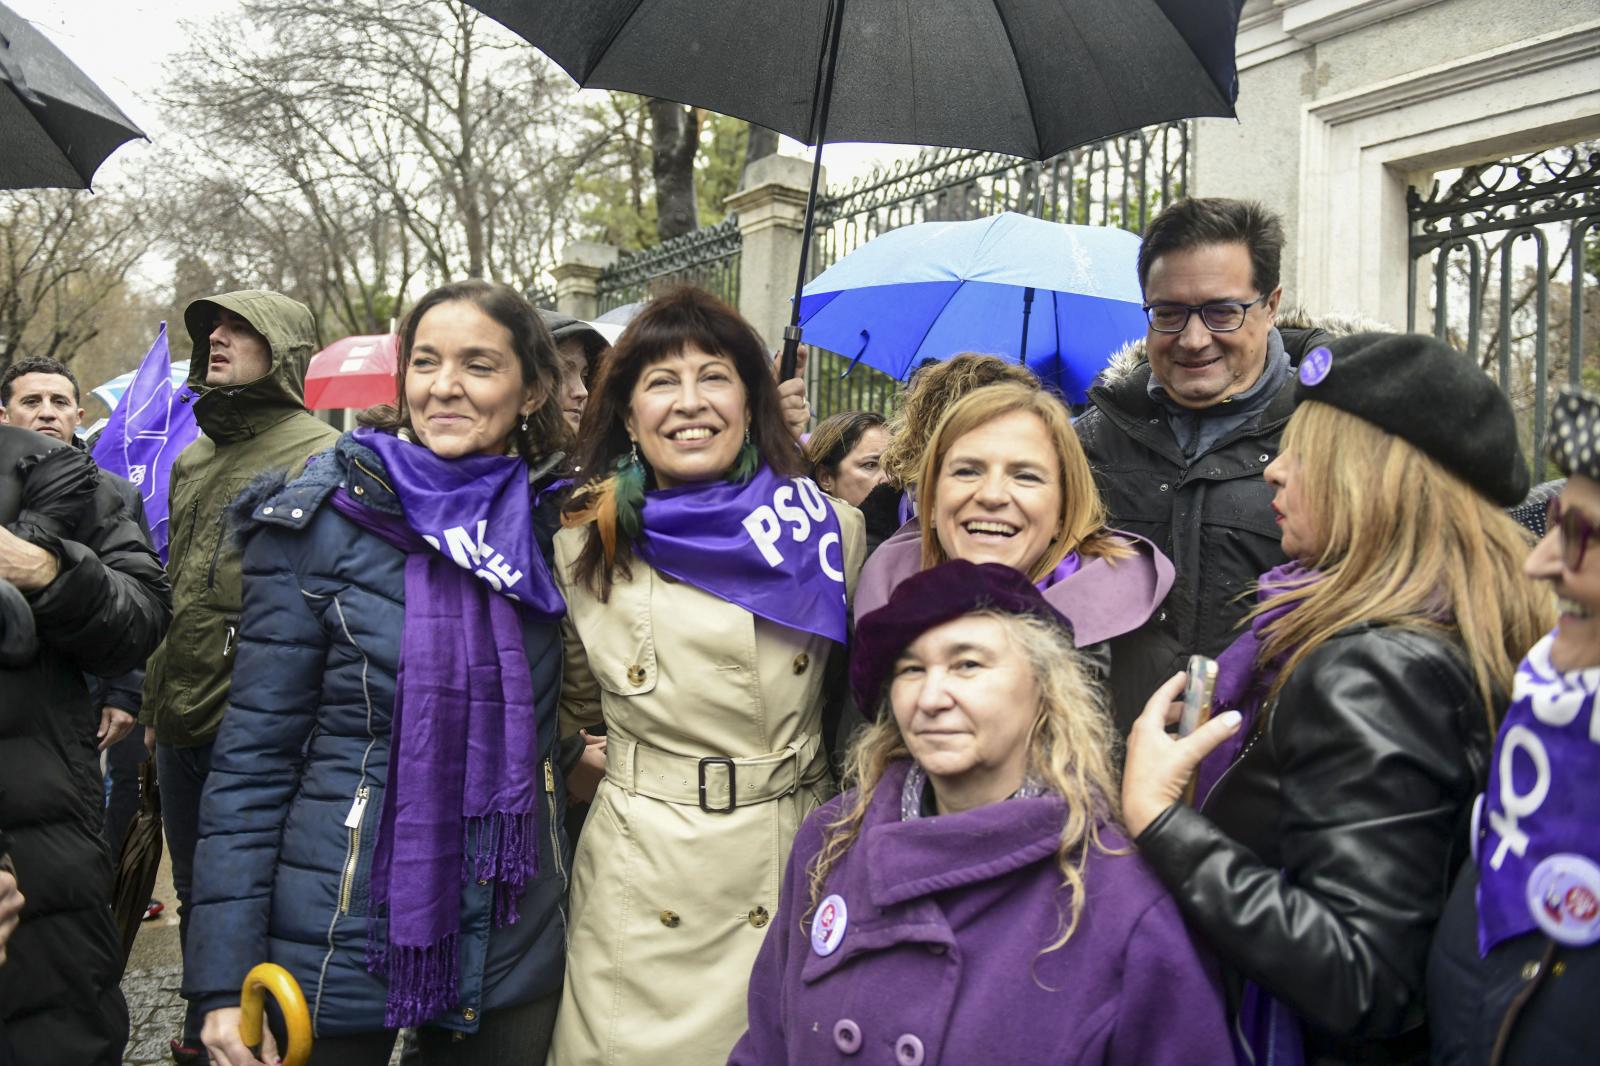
[(122, 45)]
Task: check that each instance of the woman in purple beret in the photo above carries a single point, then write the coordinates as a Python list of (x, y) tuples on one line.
[(1004, 480), (973, 897)]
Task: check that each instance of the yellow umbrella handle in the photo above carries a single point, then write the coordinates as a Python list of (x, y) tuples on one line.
[(270, 977)]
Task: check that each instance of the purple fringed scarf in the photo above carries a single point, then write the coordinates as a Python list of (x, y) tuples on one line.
[(1240, 683), (462, 796)]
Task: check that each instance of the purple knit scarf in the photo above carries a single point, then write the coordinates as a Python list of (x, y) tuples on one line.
[(462, 798)]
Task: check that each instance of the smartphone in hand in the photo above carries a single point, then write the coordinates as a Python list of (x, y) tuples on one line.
[(1197, 694)]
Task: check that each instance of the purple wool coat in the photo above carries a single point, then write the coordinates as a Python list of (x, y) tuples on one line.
[(939, 963)]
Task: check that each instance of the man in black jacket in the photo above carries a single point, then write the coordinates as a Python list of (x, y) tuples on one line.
[(1179, 433), (84, 591), (42, 394)]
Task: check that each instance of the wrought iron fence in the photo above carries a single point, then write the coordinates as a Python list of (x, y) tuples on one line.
[(1121, 181), (707, 257), (1509, 252)]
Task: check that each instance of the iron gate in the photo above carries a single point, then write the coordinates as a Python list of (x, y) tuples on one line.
[(1510, 254)]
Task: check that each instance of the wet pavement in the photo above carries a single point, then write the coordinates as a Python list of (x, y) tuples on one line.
[(151, 983)]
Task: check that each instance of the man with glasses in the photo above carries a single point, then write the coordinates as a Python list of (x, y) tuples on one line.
[(1179, 435)]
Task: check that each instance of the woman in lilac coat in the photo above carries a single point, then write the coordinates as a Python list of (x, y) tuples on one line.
[(973, 898)]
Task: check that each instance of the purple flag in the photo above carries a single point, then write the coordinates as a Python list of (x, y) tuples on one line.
[(146, 432)]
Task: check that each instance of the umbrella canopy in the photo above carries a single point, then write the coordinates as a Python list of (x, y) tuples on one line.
[(354, 372), (140, 859), (1062, 297), (1026, 77), (56, 126), (111, 392)]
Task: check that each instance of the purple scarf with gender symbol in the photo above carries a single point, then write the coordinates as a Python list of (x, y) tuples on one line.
[(771, 546), (1537, 848)]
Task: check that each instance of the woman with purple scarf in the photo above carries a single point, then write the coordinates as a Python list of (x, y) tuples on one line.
[(1004, 480), (1357, 707), (383, 816), (706, 583)]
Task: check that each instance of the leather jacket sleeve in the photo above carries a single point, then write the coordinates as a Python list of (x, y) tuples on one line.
[(1377, 741)]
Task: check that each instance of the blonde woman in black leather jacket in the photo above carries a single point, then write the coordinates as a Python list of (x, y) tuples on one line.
[(1317, 864)]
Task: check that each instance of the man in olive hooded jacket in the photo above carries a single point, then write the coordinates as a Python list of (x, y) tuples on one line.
[(247, 364)]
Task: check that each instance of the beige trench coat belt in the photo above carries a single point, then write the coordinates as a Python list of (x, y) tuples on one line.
[(716, 783)]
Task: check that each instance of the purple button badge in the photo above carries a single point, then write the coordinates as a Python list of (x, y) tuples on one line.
[(1315, 366)]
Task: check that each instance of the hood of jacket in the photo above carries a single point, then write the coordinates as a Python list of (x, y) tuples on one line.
[(238, 412)]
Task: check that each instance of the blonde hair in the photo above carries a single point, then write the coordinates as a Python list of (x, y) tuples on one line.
[(1083, 516), (1071, 750), (929, 394), (1407, 543)]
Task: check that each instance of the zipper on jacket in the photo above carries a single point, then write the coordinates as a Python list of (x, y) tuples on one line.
[(216, 553), (352, 822), (555, 826)]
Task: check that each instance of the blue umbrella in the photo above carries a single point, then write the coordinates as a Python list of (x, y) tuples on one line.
[(1063, 298), (111, 392)]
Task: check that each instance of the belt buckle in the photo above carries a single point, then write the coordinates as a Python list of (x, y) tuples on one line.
[(733, 801)]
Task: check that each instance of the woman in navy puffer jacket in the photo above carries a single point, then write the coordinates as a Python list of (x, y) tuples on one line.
[(384, 811)]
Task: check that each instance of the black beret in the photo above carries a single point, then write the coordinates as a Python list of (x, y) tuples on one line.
[(1428, 394), (931, 598), (1575, 433)]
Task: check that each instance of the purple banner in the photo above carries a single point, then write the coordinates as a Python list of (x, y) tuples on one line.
[(147, 431), (772, 546)]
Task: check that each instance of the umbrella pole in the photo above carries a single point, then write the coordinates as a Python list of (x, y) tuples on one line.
[(1027, 310), (791, 332)]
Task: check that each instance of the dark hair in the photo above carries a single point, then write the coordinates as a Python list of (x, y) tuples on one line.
[(1194, 222), (679, 318), (531, 342), (836, 437), (39, 364)]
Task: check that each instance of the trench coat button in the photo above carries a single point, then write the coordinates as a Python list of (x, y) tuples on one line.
[(471, 1015), (1530, 970), (669, 919), (847, 1036), (1163, 486), (908, 1050), (266, 510), (359, 491), (759, 917), (635, 674), (297, 513), (801, 661), (1265, 458)]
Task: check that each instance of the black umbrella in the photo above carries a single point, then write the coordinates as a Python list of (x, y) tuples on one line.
[(1026, 77), (56, 126), (139, 862)]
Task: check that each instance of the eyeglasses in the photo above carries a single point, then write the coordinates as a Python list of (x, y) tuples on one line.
[(1222, 316), (1576, 532)]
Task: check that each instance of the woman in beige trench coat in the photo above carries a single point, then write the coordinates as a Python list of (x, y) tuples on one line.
[(712, 708)]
